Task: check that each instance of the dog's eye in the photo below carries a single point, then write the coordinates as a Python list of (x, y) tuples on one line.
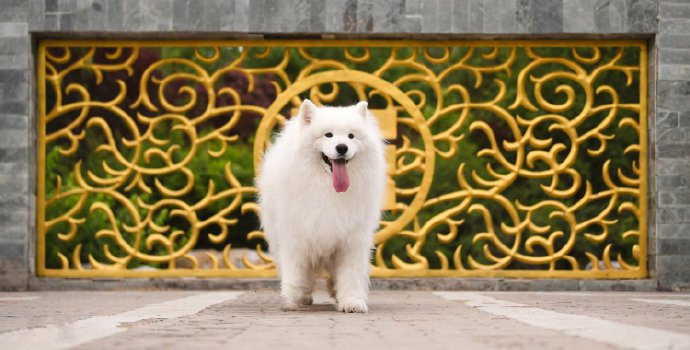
[(329, 134), (350, 136)]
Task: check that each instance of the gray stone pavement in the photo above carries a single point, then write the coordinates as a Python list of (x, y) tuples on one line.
[(397, 320)]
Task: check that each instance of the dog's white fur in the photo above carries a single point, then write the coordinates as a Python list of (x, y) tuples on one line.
[(310, 227)]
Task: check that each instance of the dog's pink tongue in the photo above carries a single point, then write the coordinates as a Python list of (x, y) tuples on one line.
[(340, 180)]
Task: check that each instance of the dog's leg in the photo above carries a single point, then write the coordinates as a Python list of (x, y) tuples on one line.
[(310, 279), (330, 285), (352, 280), (330, 281), (296, 285)]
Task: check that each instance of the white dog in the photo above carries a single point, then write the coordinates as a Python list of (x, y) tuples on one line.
[(320, 190)]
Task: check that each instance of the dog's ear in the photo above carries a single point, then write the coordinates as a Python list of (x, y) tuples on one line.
[(306, 111), (361, 108)]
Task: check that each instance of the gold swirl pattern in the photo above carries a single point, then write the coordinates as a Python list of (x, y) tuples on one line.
[(506, 159)]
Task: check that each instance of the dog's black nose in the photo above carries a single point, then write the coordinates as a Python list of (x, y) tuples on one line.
[(341, 148)]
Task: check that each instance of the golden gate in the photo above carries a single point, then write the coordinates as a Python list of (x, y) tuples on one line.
[(506, 158)]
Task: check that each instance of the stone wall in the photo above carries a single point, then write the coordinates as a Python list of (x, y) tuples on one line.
[(665, 23), (16, 230), (672, 145), (344, 16)]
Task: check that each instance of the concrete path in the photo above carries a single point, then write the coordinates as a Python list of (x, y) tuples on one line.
[(397, 320)]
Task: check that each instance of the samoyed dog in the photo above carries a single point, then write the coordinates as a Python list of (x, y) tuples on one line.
[(320, 188)]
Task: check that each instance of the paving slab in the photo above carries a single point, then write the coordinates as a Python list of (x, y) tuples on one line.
[(397, 320)]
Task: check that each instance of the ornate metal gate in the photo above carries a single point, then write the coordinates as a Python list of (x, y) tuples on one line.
[(506, 158)]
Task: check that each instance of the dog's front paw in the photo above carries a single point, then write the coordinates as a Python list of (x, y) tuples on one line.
[(305, 300), (353, 305), (294, 303), (289, 306)]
